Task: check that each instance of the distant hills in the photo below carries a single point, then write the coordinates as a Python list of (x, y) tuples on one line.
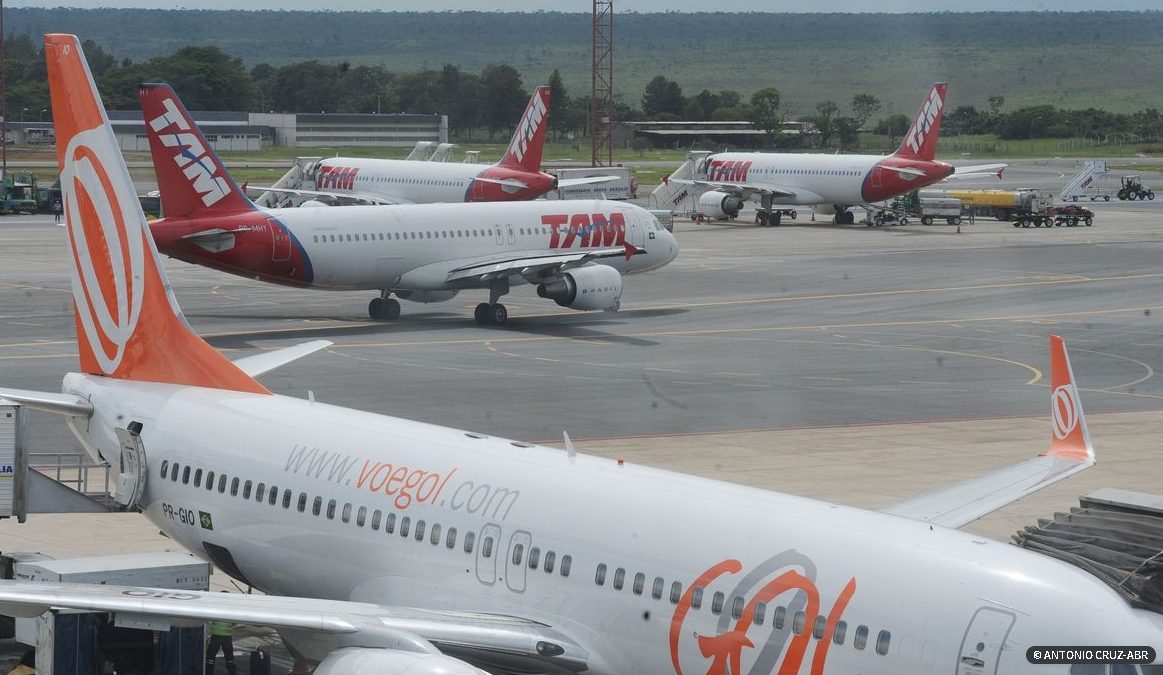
[(1110, 60)]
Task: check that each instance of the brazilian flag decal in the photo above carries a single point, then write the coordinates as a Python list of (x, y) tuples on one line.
[(206, 521)]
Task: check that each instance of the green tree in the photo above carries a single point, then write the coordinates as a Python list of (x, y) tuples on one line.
[(206, 78), (502, 97), (864, 106), (662, 96), (558, 104), (765, 113), (824, 118)]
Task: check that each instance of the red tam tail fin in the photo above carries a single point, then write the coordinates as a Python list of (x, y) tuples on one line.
[(190, 176), (129, 325), (921, 140), (524, 151)]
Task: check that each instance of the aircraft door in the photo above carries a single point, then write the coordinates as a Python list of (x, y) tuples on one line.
[(515, 566), (488, 543), (132, 470), (280, 241), (983, 642)]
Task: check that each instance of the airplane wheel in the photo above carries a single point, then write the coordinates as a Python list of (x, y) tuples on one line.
[(481, 314), (499, 315), (391, 309), (761, 218), (774, 220), (375, 307)]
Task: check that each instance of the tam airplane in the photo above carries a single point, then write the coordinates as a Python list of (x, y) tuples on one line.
[(517, 177), (829, 183), (574, 252), (387, 546)]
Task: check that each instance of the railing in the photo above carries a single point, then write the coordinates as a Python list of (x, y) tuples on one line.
[(74, 470)]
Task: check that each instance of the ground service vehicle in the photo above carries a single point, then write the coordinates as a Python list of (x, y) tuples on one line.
[(1069, 215), (1001, 204), (1133, 189)]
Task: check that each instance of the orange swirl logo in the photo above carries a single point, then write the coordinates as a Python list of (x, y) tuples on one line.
[(107, 244), (1064, 409)]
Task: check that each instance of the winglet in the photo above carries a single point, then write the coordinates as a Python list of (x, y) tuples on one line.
[(921, 140), (190, 176), (1069, 435), (129, 325), (524, 152)]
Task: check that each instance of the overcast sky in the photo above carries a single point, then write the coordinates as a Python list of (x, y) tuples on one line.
[(623, 5)]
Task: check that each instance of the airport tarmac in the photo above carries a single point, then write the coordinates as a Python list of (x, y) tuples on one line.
[(853, 364)]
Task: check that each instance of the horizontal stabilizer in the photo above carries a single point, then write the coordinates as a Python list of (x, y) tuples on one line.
[(264, 362), (584, 180), (978, 171), (58, 404)]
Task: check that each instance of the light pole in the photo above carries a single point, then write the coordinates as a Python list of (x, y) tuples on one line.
[(42, 112), (22, 111)]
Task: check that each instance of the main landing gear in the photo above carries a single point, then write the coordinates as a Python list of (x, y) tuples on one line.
[(844, 217), (493, 313), (384, 308)]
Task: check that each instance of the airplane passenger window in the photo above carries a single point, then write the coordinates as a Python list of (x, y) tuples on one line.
[(315, 239), (600, 575), (376, 515), (174, 472), (656, 591), (331, 510), (799, 623), (534, 557), (209, 480), (361, 516), (675, 592), (487, 548), (234, 486), (419, 530), (260, 491), (435, 535), (697, 598), (518, 552), (405, 525), (246, 490), (221, 483), (165, 466), (778, 618), (286, 499), (841, 630), (274, 496), (566, 564), (198, 478), (861, 638), (390, 523), (186, 475), (737, 607), (550, 559), (347, 512), (302, 506), (882, 640), (717, 602), (619, 578), (317, 506), (818, 628), (639, 583), (760, 610), (469, 538)]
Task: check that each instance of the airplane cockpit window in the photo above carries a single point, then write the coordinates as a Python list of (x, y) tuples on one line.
[(882, 640)]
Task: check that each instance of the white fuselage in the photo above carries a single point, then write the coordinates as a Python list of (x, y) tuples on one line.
[(817, 178), (931, 599), (397, 179)]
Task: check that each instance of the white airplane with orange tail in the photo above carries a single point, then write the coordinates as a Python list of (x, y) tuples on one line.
[(829, 183), (387, 546), (516, 177)]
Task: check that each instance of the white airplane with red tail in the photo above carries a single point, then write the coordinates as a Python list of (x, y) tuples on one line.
[(829, 183), (391, 547), (574, 252), (516, 177)]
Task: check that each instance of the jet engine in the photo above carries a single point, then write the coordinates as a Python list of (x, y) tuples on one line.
[(716, 204), (362, 661), (312, 204), (426, 297), (591, 287)]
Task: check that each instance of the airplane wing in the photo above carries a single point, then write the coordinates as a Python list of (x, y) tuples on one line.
[(978, 171), (409, 629), (1070, 452), (264, 362), (748, 189), (532, 265), (584, 180), (339, 197)]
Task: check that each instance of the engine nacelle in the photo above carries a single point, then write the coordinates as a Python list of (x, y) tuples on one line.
[(592, 287), (361, 661), (716, 204), (426, 297), (312, 204)]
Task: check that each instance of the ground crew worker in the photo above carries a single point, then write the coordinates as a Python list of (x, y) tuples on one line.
[(57, 209), (221, 638)]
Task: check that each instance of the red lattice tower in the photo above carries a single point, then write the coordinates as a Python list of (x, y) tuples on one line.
[(602, 100)]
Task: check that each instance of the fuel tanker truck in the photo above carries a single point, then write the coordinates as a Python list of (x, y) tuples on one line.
[(1001, 204)]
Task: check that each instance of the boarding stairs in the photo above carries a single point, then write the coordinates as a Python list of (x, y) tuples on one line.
[(299, 177), (1087, 183), (679, 197)]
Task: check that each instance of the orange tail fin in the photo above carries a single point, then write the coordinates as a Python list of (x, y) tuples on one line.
[(129, 325), (524, 151), (921, 140), (1069, 436)]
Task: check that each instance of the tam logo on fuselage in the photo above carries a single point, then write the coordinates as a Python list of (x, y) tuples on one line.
[(193, 158), (527, 128), (336, 177), (734, 170), (585, 230), (924, 121)]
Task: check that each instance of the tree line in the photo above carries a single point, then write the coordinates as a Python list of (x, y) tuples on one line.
[(207, 78)]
